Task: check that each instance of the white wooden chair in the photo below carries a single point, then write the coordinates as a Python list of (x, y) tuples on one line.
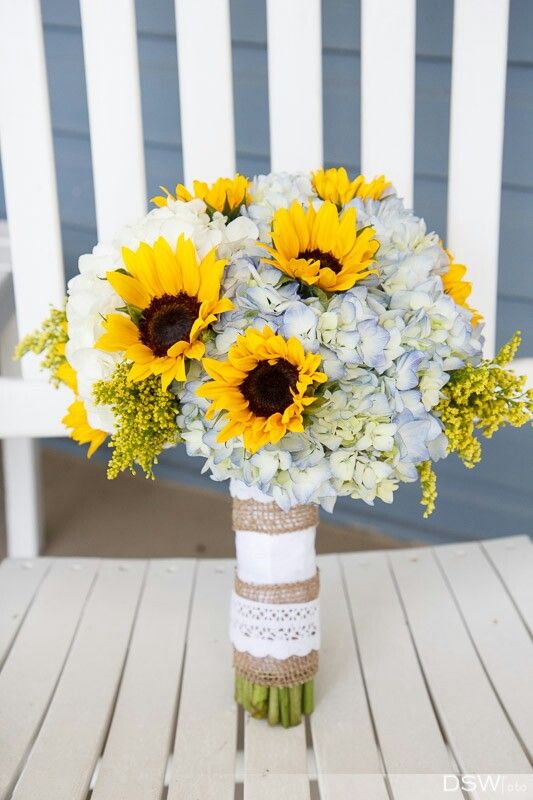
[(29, 408)]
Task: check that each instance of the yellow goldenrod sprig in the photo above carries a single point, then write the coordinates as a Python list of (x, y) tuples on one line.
[(145, 420), (49, 339), (485, 398), (428, 483), (481, 398)]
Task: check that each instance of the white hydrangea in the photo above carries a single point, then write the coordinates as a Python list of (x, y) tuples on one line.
[(277, 190)]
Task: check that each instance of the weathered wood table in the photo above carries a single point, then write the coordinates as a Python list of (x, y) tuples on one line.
[(116, 681)]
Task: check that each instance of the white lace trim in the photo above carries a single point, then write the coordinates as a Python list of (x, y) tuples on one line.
[(271, 629)]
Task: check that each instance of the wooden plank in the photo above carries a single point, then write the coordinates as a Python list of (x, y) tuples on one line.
[(477, 113), (136, 752), (470, 714), (203, 764), (205, 89), (33, 667), (28, 159), (114, 102), (70, 741), (348, 762), (498, 633), (275, 762), (412, 747), (295, 84), (388, 82), (19, 582), (513, 558)]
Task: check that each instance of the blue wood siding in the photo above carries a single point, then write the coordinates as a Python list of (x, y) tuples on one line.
[(495, 498)]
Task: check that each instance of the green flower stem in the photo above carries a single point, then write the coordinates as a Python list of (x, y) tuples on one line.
[(308, 697), (247, 696), (284, 707), (295, 698), (259, 701), (273, 706)]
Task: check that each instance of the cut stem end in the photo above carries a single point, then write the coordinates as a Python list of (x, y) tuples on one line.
[(280, 705)]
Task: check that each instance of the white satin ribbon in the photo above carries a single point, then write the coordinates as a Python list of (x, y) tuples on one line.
[(265, 558)]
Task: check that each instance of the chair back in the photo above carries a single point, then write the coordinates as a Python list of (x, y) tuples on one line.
[(205, 84)]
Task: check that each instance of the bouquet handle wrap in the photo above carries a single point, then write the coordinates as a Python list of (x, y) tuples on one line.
[(275, 626)]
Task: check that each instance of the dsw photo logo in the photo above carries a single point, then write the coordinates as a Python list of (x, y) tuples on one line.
[(489, 784)]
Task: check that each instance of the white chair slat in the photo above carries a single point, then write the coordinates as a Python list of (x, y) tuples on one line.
[(32, 408), (136, 753), (20, 456), (28, 167), (205, 89), (388, 92), (206, 734), (35, 662), (275, 762), (500, 637), (411, 743), (513, 559), (479, 66), (114, 102), (85, 694), (23, 501), (348, 762), (7, 298), (19, 581), (482, 739), (294, 41)]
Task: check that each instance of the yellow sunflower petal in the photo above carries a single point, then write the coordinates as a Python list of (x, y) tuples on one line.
[(186, 256), (168, 271), (130, 289), (120, 333), (80, 429)]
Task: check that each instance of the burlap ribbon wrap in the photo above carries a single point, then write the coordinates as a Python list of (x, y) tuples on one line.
[(274, 616)]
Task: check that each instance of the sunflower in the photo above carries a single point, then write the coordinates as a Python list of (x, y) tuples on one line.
[(80, 430), (262, 387), (321, 247), (225, 195), (76, 416), (335, 185), (459, 289), (171, 299)]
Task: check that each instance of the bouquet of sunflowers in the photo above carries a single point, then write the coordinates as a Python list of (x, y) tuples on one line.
[(307, 338)]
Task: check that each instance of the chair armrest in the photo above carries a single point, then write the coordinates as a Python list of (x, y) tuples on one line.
[(32, 408)]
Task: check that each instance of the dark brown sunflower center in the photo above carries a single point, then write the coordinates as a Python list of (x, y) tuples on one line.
[(327, 260), (268, 387), (167, 320)]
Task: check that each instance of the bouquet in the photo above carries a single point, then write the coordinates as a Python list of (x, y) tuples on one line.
[(307, 338)]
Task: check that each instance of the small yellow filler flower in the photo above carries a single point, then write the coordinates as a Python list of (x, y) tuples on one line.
[(335, 185), (321, 248), (262, 387), (459, 289), (171, 299), (225, 195)]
